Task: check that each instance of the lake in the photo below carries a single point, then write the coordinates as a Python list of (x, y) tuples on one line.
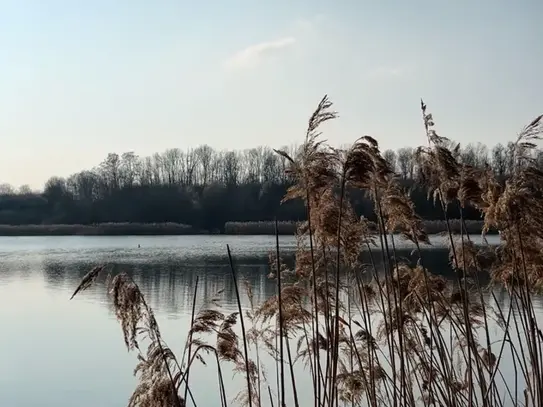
[(57, 352)]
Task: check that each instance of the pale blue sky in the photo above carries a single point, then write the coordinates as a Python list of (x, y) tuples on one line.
[(79, 79)]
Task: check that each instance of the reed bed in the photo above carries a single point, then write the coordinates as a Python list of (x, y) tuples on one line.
[(400, 336), (431, 227), (99, 229)]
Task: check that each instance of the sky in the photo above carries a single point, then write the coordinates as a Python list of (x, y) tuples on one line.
[(80, 79)]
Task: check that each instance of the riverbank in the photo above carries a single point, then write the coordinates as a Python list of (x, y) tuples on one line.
[(100, 229), (175, 229), (431, 227)]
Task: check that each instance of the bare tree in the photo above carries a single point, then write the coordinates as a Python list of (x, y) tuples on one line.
[(25, 190), (146, 177), (475, 155), (231, 168), (271, 167), (216, 167), (110, 171), (406, 162), (499, 160), (191, 161), (252, 164), (171, 164), (85, 185), (6, 189), (204, 156), (55, 189), (130, 169), (157, 169), (481, 155), (390, 157)]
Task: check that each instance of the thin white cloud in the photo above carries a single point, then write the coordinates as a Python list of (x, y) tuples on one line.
[(252, 55)]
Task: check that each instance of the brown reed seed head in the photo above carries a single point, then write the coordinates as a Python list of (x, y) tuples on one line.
[(293, 311), (156, 394), (416, 287), (314, 168), (399, 211), (517, 211), (155, 385), (227, 340), (351, 384), (207, 321), (131, 309), (88, 280)]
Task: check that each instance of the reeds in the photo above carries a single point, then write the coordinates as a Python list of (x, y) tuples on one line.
[(398, 335)]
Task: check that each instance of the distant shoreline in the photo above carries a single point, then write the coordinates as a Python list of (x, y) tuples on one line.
[(432, 227), (177, 229), (100, 229)]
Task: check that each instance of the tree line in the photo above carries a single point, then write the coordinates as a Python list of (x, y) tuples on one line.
[(205, 188)]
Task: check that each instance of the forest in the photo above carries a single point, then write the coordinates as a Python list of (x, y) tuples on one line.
[(206, 188)]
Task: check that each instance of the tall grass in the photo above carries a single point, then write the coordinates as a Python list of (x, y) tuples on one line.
[(396, 336)]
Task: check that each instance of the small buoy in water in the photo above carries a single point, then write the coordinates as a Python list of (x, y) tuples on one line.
[(139, 246)]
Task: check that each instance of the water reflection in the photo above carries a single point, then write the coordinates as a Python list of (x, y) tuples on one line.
[(168, 280), (169, 284)]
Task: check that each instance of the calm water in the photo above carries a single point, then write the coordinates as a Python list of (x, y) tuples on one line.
[(56, 352)]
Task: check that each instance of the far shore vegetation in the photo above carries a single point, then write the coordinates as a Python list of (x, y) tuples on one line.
[(230, 228), (208, 189), (431, 227), (102, 229)]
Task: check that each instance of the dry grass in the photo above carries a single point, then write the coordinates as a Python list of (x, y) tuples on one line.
[(400, 336)]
